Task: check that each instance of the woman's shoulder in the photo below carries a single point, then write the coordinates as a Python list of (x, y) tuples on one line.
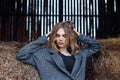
[(42, 52)]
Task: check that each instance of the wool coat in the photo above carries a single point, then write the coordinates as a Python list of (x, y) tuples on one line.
[(49, 63)]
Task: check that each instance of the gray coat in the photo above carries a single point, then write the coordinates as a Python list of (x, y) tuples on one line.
[(49, 63)]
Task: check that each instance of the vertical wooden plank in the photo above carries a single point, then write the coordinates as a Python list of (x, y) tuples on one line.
[(87, 18), (102, 31), (1, 13), (74, 10), (77, 16), (50, 21), (41, 18), (95, 22), (5, 18), (110, 13), (56, 11), (117, 18), (53, 12), (80, 18), (36, 17), (0, 27), (18, 21), (65, 10), (33, 20), (61, 10), (68, 9), (71, 9), (84, 16), (24, 19), (46, 16), (14, 29)]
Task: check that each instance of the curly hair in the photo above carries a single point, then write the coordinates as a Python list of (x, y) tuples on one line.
[(71, 35)]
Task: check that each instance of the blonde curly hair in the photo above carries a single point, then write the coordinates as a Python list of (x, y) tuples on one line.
[(71, 35)]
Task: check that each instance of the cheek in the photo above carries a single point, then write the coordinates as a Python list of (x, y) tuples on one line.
[(56, 39), (65, 39), (67, 42)]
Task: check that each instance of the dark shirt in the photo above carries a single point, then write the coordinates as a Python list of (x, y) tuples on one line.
[(68, 61)]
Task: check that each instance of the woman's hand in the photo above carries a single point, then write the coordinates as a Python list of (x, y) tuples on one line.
[(48, 34), (76, 32)]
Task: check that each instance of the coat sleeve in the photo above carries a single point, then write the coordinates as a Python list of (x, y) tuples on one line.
[(26, 54), (93, 45)]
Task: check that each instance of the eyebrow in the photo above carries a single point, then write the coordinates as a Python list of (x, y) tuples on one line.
[(59, 34)]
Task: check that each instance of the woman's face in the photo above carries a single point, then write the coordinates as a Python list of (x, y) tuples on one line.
[(61, 40)]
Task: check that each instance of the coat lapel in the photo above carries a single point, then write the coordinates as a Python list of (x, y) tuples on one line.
[(59, 62), (76, 65)]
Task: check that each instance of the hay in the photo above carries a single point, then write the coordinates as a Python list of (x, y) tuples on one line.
[(10, 68), (104, 66), (107, 63)]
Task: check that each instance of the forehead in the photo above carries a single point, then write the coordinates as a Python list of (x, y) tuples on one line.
[(61, 31)]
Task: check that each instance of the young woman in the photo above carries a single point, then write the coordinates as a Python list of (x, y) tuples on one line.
[(57, 55)]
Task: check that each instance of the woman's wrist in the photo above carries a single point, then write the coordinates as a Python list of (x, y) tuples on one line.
[(48, 34), (77, 32)]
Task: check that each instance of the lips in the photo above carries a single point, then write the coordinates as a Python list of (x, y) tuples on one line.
[(60, 43)]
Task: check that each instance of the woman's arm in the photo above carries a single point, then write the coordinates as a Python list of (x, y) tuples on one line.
[(93, 45), (26, 54)]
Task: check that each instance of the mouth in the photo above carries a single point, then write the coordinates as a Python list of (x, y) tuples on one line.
[(60, 43)]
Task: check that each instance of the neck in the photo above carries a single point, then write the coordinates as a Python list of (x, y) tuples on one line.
[(64, 51)]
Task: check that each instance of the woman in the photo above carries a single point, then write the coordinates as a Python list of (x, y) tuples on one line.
[(57, 55)]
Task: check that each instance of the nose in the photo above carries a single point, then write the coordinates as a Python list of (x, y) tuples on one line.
[(61, 38)]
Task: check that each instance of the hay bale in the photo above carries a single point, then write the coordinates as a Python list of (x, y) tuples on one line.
[(104, 66), (10, 68)]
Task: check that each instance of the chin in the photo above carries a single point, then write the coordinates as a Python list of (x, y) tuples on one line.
[(61, 46)]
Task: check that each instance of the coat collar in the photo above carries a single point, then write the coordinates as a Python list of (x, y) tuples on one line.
[(59, 62), (76, 66)]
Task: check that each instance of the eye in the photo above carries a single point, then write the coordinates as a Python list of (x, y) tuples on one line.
[(64, 35), (57, 35)]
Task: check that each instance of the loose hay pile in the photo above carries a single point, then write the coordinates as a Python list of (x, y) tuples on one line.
[(107, 63), (10, 68), (105, 66)]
